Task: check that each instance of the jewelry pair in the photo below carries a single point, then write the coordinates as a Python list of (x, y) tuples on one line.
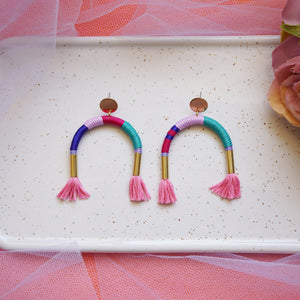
[(229, 188)]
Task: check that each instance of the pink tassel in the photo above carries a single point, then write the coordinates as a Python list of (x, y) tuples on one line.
[(137, 189), (72, 190), (229, 188), (166, 194)]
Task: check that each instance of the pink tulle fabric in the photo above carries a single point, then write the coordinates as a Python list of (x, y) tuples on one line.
[(210, 276), (65, 273), (58, 273), (165, 17), (139, 17)]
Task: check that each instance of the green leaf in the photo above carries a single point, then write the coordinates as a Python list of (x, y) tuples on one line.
[(294, 30)]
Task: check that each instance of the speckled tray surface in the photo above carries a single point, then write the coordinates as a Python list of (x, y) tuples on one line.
[(153, 80)]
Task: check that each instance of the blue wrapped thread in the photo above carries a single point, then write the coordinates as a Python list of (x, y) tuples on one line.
[(77, 137), (219, 130), (131, 132)]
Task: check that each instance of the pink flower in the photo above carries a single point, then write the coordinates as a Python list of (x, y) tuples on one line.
[(284, 93), (291, 12)]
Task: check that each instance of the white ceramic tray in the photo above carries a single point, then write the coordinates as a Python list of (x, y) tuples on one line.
[(153, 80)]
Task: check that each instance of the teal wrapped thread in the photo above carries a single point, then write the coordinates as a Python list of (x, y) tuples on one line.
[(219, 130), (126, 127)]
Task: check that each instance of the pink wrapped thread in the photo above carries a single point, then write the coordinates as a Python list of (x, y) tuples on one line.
[(137, 189), (72, 190), (229, 188), (166, 194), (189, 121)]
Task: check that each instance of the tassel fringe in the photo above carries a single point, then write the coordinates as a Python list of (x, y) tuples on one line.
[(137, 189), (166, 194), (229, 188), (72, 190)]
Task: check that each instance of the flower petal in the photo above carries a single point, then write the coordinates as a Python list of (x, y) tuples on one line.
[(296, 88), (274, 98), (287, 50), (296, 69), (287, 69), (292, 102), (290, 13), (276, 103), (291, 80)]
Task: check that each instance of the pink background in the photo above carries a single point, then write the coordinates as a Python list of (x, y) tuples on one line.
[(69, 274)]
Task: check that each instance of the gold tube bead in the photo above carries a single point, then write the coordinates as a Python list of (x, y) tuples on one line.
[(230, 162), (137, 164), (73, 165), (165, 167)]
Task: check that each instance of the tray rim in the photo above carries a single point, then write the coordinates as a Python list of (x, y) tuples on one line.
[(157, 246), (153, 246), (183, 40), (82, 40)]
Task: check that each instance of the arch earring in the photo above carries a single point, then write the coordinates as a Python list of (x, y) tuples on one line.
[(229, 188), (74, 188)]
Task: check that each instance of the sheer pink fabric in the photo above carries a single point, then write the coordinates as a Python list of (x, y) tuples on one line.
[(62, 274), (210, 276), (139, 17), (56, 274), (165, 17)]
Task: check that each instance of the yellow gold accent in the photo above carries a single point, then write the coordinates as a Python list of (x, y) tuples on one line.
[(137, 164), (165, 167), (230, 163), (73, 164)]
